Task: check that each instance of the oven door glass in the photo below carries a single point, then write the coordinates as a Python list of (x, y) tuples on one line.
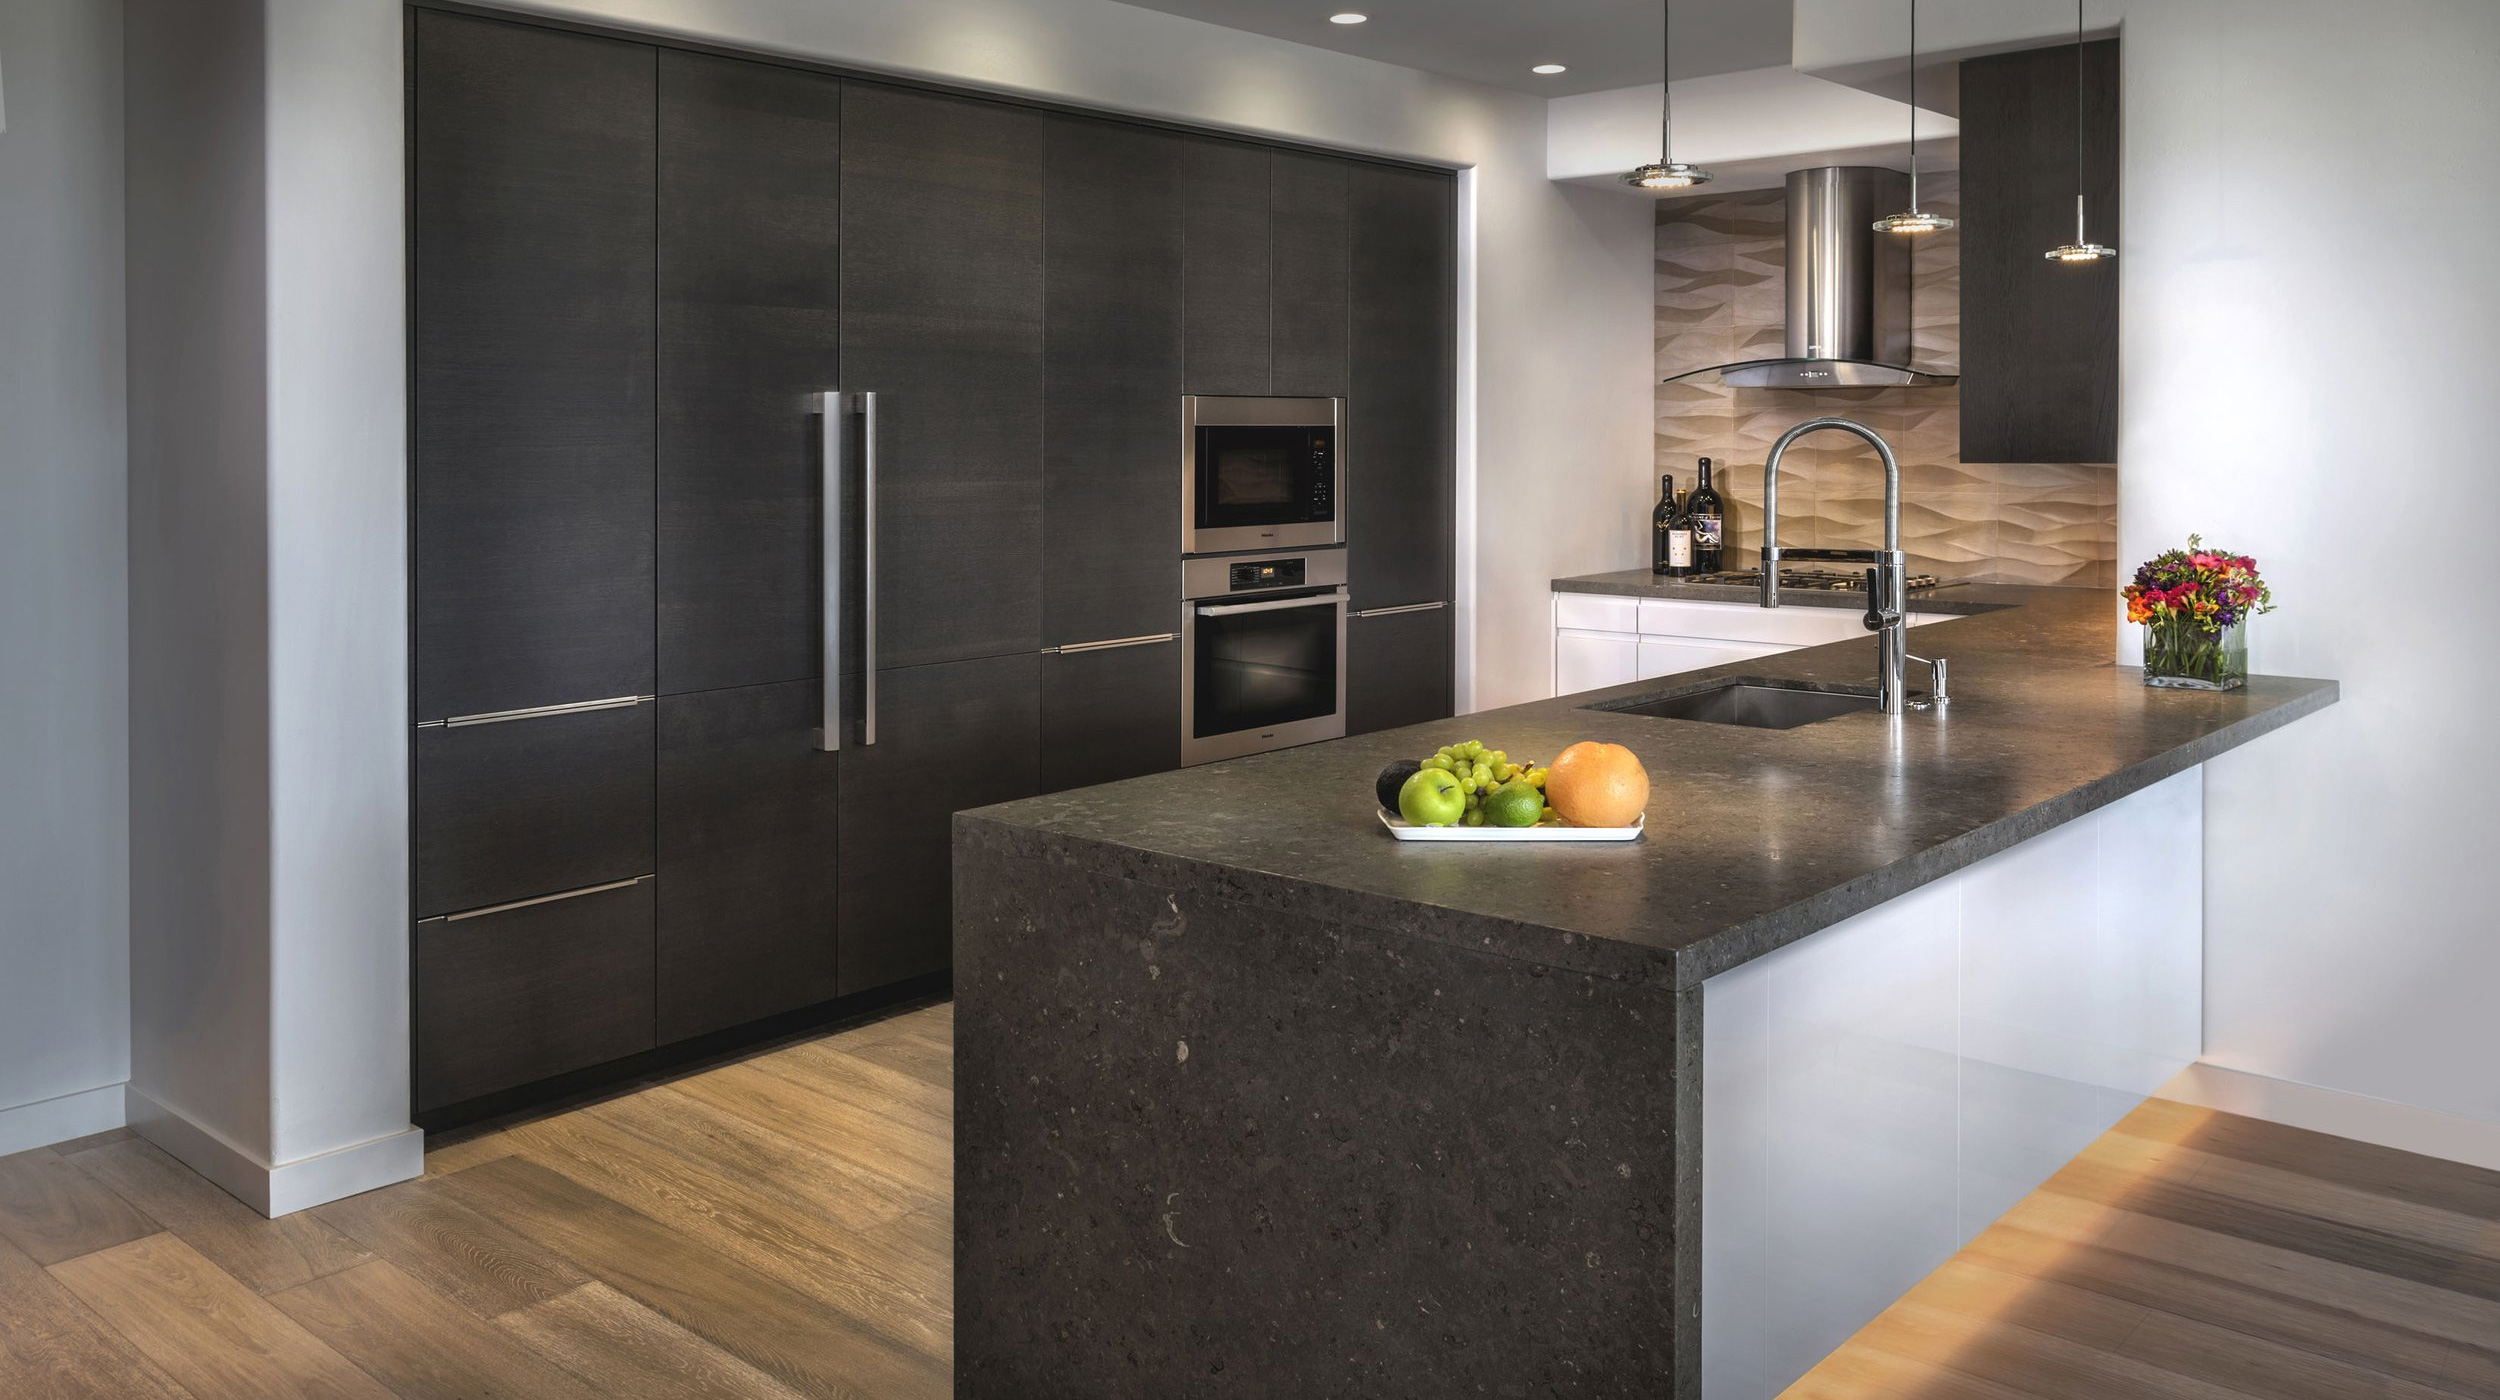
[(1251, 476), (1261, 669)]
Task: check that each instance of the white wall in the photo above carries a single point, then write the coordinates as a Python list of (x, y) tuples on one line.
[(1561, 339), (2309, 289), (269, 721), (64, 753)]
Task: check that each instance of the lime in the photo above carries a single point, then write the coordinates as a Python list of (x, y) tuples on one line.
[(1514, 804)]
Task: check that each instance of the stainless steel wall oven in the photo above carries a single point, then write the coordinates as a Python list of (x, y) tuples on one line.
[(1263, 653)]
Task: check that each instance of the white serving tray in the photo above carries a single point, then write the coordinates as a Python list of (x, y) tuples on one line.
[(1406, 831)]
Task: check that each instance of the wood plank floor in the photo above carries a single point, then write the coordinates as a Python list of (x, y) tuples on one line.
[(779, 1228), (2202, 1256), (769, 1229)]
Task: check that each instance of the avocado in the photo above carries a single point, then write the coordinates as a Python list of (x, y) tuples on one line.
[(1393, 778)]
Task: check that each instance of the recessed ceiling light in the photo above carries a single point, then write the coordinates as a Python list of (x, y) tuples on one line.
[(1347, 17), (1549, 68)]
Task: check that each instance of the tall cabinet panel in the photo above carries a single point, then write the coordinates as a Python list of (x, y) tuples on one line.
[(1228, 291), (1401, 408), (531, 351), (748, 847), (750, 296), (1310, 261), (951, 737), (1111, 487), (942, 245)]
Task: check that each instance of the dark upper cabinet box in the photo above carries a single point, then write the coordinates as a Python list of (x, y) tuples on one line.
[(2039, 338), (1401, 412)]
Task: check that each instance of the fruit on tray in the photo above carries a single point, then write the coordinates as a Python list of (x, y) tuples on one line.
[(1432, 797), (1479, 775), (1594, 784), (1392, 778)]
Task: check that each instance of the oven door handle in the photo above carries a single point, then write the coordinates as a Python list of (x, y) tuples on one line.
[(1323, 600)]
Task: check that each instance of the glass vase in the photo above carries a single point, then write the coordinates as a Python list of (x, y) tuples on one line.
[(2180, 655)]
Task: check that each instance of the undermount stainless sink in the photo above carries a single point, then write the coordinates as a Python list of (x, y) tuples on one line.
[(1756, 704)]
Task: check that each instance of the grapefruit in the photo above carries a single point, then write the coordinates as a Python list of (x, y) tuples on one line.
[(1595, 784)]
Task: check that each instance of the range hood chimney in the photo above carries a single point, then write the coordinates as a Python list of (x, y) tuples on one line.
[(1848, 289)]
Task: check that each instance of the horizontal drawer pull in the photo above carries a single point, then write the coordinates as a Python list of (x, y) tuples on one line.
[(542, 899), (1115, 644), (578, 707), (1407, 608)]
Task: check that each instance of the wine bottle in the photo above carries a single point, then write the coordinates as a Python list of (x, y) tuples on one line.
[(1708, 517), (1671, 536)]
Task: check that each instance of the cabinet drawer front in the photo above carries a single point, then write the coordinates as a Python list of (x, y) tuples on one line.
[(1745, 622), (1673, 656), (512, 997), (1585, 661), (1597, 612), (527, 807)]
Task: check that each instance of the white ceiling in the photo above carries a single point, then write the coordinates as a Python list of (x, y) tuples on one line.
[(1606, 43)]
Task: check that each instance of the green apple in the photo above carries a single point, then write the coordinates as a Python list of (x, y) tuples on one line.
[(1432, 798)]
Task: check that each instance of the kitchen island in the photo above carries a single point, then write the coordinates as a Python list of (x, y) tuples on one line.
[(1253, 1100)]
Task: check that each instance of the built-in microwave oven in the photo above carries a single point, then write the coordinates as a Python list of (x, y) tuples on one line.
[(1261, 473)]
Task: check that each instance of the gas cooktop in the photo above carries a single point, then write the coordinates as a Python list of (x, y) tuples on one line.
[(1810, 580)]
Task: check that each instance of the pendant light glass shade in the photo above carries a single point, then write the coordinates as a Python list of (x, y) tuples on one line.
[(2083, 249), (1916, 220), (1666, 173)]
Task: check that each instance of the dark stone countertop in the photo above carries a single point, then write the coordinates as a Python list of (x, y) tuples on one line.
[(1951, 597), (1756, 838)]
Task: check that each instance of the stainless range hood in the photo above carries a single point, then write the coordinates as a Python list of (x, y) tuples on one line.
[(1848, 289)]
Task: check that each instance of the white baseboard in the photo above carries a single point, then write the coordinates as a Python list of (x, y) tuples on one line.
[(284, 1189), (47, 1121), (2357, 1116)]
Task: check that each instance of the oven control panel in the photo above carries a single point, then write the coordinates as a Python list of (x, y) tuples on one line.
[(1268, 573)]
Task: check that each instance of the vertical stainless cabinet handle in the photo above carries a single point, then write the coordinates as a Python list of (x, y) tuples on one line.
[(834, 412), (868, 564)]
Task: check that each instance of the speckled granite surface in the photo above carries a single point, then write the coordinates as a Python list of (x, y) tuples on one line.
[(1755, 837), (1253, 1101)]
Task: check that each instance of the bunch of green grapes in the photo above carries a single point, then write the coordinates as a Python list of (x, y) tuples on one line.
[(1481, 771)]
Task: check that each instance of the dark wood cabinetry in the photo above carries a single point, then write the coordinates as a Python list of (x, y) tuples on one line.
[(1108, 715), (523, 808), (748, 841), (514, 996), (942, 228), (2039, 338), (1310, 268), (530, 375), (949, 737), (1398, 669), (1111, 486), (635, 266), (750, 326), (1401, 410)]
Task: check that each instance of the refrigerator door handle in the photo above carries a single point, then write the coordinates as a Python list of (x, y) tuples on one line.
[(868, 566), (831, 409)]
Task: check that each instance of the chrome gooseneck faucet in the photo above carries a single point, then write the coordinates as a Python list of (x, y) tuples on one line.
[(1887, 601)]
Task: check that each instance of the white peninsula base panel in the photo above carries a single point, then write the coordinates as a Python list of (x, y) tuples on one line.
[(1875, 1095), (1603, 639)]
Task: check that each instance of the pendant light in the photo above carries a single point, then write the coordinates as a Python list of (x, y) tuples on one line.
[(1667, 173), (1915, 220), (2082, 249)]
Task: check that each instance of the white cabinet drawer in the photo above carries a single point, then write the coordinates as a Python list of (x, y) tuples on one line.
[(1670, 656), (1597, 612), (1746, 622), (1593, 660)]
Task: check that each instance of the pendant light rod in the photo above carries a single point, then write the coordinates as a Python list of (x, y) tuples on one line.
[(1915, 220), (1667, 173), (2082, 249)]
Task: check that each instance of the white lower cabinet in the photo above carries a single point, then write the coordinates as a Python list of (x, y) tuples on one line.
[(1603, 639)]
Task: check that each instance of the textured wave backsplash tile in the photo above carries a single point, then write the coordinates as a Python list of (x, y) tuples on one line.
[(1722, 296)]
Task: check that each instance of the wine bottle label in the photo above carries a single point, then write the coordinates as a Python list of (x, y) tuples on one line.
[(1679, 549), (1706, 531)]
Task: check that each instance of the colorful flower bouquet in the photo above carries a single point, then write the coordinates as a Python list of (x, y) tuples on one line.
[(2194, 604)]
